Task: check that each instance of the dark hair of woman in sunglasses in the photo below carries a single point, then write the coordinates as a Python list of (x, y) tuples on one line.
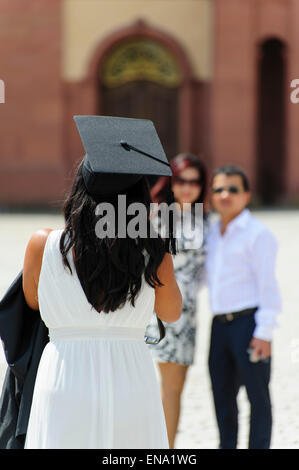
[(110, 265)]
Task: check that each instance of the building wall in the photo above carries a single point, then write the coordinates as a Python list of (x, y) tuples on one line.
[(46, 52), (293, 109), (185, 27), (240, 26), (88, 22), (49, 52), (31, 153)]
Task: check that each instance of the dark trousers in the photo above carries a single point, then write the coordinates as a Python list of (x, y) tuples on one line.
[(230, 368)]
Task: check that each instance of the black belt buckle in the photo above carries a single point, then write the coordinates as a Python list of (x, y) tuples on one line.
[(225, 317), (228, 317)]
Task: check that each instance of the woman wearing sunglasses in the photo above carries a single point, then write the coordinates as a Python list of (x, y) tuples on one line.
[(175, 353)]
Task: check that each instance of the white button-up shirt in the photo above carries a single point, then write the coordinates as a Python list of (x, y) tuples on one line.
[(240, 271)]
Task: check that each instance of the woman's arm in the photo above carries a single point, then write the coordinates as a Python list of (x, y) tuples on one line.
[(168, 298), (32, 266)]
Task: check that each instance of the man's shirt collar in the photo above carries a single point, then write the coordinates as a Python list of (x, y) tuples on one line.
[(240, 221)]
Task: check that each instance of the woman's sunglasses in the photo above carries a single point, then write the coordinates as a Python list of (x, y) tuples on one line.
[(230, 189), (181, 181)]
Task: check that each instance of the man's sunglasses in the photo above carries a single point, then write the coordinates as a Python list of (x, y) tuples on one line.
[(181, 181), (230, 189)]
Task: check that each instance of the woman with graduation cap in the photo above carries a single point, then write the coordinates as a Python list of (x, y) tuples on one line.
[(96, 385)]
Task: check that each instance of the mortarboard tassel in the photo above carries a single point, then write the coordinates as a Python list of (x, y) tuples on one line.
[(129, 147)]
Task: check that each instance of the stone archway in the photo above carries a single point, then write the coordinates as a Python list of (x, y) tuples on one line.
[(83, 97), (140, 78), (184, 101)]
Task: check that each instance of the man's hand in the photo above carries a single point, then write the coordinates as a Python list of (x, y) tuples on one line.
[(262, 349)]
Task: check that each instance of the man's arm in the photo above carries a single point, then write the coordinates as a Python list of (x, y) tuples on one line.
[(264, 254)]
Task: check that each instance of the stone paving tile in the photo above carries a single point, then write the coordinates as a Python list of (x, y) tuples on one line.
[(197, 427)]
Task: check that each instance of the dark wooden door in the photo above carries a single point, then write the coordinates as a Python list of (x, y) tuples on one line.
[(271, 146), (145, 100)]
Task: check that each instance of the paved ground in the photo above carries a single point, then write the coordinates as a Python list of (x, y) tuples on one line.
[(197, 428)]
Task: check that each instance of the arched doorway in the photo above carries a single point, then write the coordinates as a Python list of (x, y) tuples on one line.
[(271, 126), (167, 91), (140, 78)]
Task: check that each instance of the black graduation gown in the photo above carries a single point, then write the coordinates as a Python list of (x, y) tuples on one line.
[(24, 336)]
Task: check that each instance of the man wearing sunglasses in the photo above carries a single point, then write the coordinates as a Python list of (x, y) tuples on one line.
[(245, 300)]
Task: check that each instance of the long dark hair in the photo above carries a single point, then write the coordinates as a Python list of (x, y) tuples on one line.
[(160, 191), (109, 269)]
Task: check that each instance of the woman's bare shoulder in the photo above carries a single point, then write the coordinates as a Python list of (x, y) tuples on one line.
[(35, 247), (38, 240), (42, 233), (32, 265)]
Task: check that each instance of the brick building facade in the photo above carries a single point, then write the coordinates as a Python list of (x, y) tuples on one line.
[(213, 75)]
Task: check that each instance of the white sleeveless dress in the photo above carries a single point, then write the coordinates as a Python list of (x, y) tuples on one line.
[(96, 385)]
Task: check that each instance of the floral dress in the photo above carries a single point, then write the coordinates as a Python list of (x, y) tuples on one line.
[(178, 345)]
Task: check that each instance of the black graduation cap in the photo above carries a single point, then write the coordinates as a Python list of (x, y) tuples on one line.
[(119, 152)]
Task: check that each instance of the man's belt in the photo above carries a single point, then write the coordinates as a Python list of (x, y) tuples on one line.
[(228, 317)]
